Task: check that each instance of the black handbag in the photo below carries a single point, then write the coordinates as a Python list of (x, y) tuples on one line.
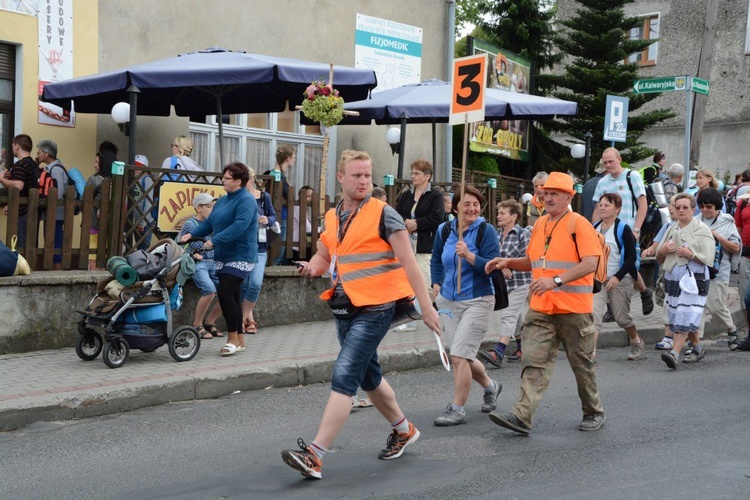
[(501, 290), (341, 306)]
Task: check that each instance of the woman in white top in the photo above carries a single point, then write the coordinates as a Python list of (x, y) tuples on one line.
[(180, 159)]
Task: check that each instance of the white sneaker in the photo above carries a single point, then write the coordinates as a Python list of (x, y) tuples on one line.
[(666, 344), (406, 327)]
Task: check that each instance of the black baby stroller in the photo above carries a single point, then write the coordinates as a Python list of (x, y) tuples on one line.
[(138, 316)]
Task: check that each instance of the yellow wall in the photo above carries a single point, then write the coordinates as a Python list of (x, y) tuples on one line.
[(77, 146)]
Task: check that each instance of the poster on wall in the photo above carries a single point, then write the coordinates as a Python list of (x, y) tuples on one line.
[(55, 21), (510, 72), (21, 6), (392, 50)]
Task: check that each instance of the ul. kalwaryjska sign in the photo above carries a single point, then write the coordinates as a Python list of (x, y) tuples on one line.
[(506, 71)]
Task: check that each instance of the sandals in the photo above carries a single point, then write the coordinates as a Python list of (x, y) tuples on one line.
[(251, 327), (228, 349), (205, 335), (213, 330)]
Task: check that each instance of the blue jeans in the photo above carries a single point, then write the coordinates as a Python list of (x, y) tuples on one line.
[(205, 277), (357, 363), (251, 286), (282, 250)]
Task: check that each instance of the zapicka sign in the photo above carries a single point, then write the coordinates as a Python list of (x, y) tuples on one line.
[(176, 203)]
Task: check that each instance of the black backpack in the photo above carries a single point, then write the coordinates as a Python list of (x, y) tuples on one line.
[(498, 280)]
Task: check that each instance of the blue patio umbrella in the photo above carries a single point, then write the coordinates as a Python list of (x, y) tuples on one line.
[(212, 81), (429, 102)]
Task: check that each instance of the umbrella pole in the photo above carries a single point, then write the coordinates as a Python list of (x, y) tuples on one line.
[(326, 141), (463, 187), (220, 117)]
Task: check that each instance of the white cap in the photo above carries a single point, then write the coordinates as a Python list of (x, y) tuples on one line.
[(141, 161), (202, 199)]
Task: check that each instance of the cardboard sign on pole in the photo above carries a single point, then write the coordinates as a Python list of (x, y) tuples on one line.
[(469, 82), (467, 105)]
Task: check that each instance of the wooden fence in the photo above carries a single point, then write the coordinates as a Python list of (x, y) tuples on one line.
[(121, 213)]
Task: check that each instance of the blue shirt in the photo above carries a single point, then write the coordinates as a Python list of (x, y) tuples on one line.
[(443, 264), (619, 185), (234, 224)]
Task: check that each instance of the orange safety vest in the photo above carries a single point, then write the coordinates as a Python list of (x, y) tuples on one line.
[(366, 265), (560, 256)]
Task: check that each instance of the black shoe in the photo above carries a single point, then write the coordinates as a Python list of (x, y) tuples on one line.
[(744, 345), (670, 360), (647, 301), (490, 357), (516, 356), (510, 421), (608, 317)]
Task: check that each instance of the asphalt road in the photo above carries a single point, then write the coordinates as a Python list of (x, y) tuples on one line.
[(668, 435)]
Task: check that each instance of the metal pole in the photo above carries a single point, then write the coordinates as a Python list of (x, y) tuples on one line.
[(401, 145), (688, 119), (449, 56), (132, 127), (586, 157), (434, 150), (220, 117)]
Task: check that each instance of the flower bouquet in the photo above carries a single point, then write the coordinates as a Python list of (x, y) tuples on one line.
[(323, 104)]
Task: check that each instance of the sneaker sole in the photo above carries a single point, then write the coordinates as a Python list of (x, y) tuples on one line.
[(413, 439), (440, 423), (295, 463), (487, 358), (592, 429), (508, 425), (669, 360)]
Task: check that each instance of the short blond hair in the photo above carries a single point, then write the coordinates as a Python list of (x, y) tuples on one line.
[(184, 144), (349, 155)]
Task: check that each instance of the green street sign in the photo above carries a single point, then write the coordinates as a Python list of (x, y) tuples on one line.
[(700, 86), (663, 84)]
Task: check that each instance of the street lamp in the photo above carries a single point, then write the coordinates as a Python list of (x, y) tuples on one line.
[(121, 116), (396, 137), (583, 151), (393, 136)]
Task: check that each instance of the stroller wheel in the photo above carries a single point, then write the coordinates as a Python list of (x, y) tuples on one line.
[(89, 345), (184, 343), (116, 353)]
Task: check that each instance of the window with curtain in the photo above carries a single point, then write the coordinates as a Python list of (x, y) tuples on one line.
[(200, 149), (648, 30), (312, 166), (7, 102), (258, 155)]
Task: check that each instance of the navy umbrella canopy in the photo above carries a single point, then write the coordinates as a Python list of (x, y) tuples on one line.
[(429, 102), (246, 83), (214, 81)]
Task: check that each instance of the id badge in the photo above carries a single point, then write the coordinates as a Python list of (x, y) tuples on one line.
[(332, 268), (261, 234)]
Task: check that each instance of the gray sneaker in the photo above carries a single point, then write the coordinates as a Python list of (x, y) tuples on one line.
[(510, 421), (592, 422), (694, 357), (670, 360), (490, 398), (450, 417), (636, 350)]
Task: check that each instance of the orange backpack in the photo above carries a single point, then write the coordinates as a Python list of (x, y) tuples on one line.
[(600, 275)]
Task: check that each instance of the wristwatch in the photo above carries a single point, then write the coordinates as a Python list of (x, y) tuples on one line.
[(557, 281), (637, 230)]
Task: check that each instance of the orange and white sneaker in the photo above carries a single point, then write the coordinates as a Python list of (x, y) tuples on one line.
[(305, 461), (395, 444)]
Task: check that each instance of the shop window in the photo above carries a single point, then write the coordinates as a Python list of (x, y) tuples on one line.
[(7, 102)]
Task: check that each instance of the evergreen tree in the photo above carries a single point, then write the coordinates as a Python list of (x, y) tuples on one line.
[(596, 43)]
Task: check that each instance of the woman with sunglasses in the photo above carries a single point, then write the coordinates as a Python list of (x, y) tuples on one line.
[(686, 251), (234, 224)]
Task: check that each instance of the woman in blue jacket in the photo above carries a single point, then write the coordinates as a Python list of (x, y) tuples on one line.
[(234, 224), (467, 320)]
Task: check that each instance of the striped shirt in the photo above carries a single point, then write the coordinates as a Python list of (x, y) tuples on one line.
[(619, 185), (514, 245)]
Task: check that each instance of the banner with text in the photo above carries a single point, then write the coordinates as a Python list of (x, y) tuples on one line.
[(176, 203), (55, 22), (505, 71), (393, 50)]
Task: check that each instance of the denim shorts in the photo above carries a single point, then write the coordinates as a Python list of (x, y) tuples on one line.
[(357, 363), (205, 277)]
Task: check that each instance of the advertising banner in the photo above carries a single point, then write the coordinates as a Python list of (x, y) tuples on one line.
[(505, 71), (55, 21), (176, 203)]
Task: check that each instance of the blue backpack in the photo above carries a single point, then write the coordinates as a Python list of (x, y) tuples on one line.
[(619, 229)]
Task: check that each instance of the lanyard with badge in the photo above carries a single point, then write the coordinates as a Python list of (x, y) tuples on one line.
[(548, 238), (342, 232)]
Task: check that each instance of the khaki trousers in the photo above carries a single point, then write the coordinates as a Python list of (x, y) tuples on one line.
[(543, 334)]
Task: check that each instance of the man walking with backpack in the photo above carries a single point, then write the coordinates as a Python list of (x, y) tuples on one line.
[(54, 175), (629, 185)]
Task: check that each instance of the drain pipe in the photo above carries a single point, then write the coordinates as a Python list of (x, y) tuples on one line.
[(449, 56)]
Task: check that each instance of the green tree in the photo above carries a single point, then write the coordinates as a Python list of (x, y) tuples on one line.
[(596, 44)]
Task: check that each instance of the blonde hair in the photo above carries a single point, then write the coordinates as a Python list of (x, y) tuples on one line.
[(615, 151), (349, 155), (707, 172), (184, 145)]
